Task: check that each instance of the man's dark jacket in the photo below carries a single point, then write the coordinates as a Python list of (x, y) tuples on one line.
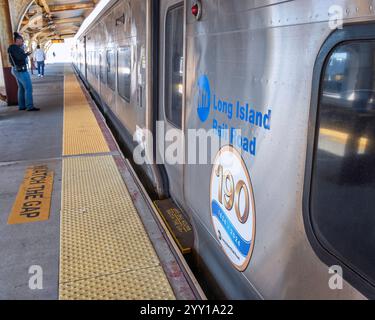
[(18, 54)]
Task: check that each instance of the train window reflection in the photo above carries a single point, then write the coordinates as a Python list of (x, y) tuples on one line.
[(94, 62), (174, 62), (101, 68), (124, 72), (111, 75), (90, 61), (343, 178)]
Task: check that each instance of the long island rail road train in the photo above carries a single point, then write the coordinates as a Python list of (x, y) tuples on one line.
[(287, 205), (188, 150), (288, 89)]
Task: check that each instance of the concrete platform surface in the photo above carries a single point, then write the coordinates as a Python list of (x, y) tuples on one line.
[(27, 139), (101, 240)]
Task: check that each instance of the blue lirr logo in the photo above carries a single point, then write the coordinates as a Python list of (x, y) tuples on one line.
[(204, 98)]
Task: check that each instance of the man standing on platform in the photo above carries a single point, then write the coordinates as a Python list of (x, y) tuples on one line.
[(40, 57), (18, 59)]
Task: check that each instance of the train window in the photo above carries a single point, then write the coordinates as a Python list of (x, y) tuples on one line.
[(111, 75), (89, 63), (80, 61), (92, 62), (101, 68), (95, 67), (342, 186), (124, 72), (174, 64)]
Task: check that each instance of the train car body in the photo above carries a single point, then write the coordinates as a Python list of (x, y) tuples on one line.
[(299, 86)]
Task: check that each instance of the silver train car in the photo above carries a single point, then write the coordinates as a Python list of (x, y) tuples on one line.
[(293, 216)]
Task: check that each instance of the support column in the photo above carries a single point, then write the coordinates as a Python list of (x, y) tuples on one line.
[(6, 38)]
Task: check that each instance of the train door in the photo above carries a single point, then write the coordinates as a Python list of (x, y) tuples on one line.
[(171, 92)]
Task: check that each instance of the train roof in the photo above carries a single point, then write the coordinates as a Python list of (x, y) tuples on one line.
[(94, 16)]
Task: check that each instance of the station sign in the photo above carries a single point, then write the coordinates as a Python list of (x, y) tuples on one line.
[(33, 201)]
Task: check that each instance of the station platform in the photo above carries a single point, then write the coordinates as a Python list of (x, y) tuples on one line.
[(75, 222)]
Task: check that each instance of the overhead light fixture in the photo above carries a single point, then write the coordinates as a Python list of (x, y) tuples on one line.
[(57, 40)]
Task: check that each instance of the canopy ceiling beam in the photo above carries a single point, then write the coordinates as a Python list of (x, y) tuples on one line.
[(72, 6)]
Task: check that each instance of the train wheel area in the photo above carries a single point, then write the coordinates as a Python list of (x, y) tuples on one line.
[(74, 219)]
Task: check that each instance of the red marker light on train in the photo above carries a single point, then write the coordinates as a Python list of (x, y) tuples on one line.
[(196, 10)]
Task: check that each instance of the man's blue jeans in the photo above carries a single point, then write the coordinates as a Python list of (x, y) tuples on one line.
[(40, 67), (25, 89)]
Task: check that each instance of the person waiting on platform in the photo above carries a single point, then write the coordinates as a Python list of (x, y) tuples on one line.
[(18, 60), (40, 57)]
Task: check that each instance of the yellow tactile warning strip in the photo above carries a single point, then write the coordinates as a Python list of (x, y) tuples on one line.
[(82, 135), (33, 201), (132, 285), (105, 252)]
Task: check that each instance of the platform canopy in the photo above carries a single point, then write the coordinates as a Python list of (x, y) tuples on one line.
[(46, 20)]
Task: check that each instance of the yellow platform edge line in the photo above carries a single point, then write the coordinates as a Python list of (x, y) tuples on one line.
[(102, 237), (105, 251), (81, 135)]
